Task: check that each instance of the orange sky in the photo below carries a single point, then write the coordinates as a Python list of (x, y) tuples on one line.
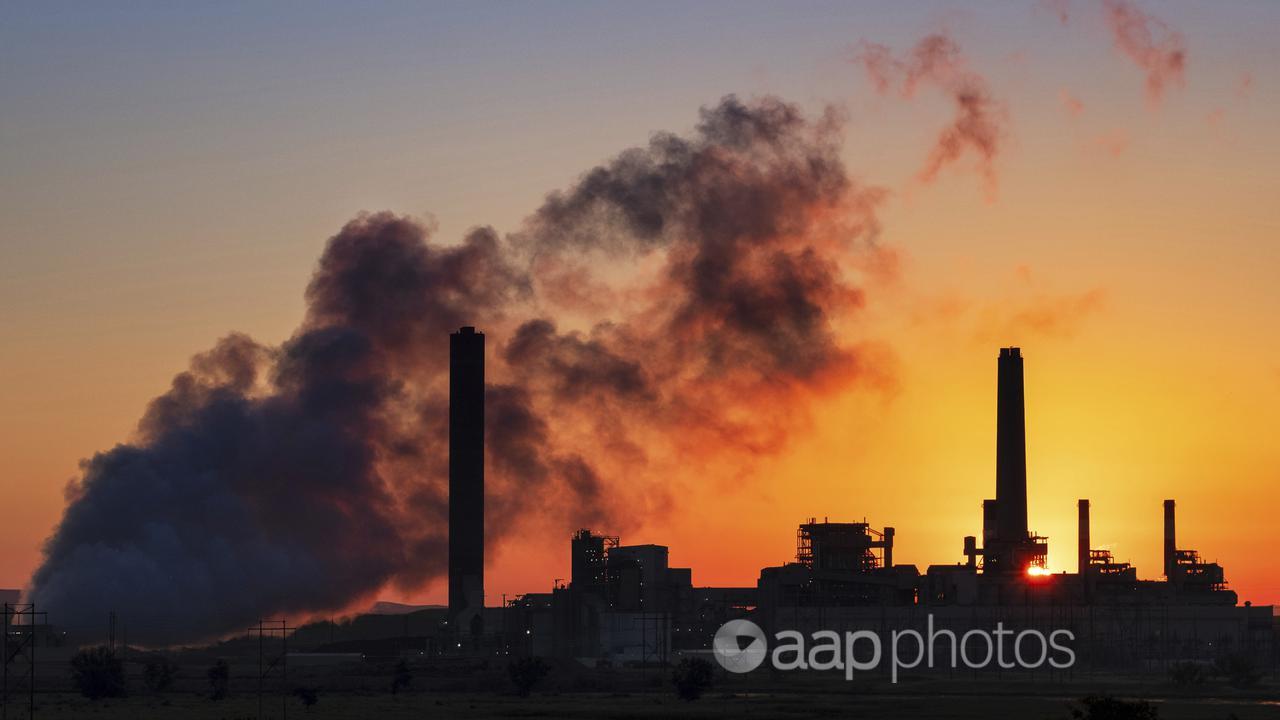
[(1130, 248)]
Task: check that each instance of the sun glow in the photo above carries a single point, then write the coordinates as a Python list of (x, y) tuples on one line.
[(1034, 571)]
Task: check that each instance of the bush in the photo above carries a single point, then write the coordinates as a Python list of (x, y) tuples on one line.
[(158, 674), (98, 673), (1239, 669), (1097, 707), (402, 678), (692, 677), (219, 680), (308, 695), (1188, 673), (527, 672)]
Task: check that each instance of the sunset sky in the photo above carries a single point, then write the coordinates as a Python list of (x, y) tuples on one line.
[(170, 173)]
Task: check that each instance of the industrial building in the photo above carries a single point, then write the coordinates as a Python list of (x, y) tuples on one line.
[(1117, 618), (625, 603)]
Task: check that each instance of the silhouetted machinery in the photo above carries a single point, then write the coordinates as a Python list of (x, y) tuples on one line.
[(843, 546)]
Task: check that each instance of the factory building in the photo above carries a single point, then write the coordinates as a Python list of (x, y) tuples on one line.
[(846, 564), (626, 604), (839, 583), (623, 603)]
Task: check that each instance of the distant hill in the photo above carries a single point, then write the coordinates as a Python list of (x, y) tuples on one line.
[(382, 607)]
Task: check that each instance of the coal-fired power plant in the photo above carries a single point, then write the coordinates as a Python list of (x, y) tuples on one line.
[(466, 479), (626, 603)]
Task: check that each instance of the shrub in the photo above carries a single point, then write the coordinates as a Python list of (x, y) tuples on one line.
[(219, 680), (527, 672), (402, 678), (1188, 673), (308, 695), (1239, 669), (692, 677), (1096, 707), (98, 673), (158, 674)]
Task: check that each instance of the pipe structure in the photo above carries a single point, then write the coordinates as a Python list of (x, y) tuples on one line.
[(1082, 549)]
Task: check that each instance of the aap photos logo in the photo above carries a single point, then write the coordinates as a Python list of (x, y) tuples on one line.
[(740, 646)]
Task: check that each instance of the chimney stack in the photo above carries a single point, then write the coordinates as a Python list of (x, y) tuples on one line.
[(1082, 551), (466, 478), (1170, 540), (1011, 449)]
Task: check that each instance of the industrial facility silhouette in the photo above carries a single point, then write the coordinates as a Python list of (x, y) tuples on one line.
[(625, 602)]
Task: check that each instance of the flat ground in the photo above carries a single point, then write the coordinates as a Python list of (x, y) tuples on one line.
[(641, 705), (482, 690)]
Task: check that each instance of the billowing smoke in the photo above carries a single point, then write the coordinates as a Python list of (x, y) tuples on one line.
[(1152, 45), (679, 304), (979, 125)]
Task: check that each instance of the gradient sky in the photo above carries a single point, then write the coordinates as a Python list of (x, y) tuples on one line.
[(169, 173)]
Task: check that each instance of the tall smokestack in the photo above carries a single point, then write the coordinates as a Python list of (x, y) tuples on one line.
[(1082, 535), (1170, 540), (1011, 449), (466, 476)]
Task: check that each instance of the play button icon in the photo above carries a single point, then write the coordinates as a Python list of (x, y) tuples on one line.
[(740, 646)]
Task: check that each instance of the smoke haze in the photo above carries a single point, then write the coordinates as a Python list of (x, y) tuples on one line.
[(979, 125), (1160, 51)]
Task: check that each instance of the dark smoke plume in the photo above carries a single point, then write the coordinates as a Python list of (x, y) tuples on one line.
[(678, 304)]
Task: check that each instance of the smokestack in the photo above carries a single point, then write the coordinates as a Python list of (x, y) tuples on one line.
[(1011, 449), (1082, 551), (888, 547), (1170, 540), (466, 476)]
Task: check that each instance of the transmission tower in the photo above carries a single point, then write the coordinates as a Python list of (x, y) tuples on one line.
[(18, 647)]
